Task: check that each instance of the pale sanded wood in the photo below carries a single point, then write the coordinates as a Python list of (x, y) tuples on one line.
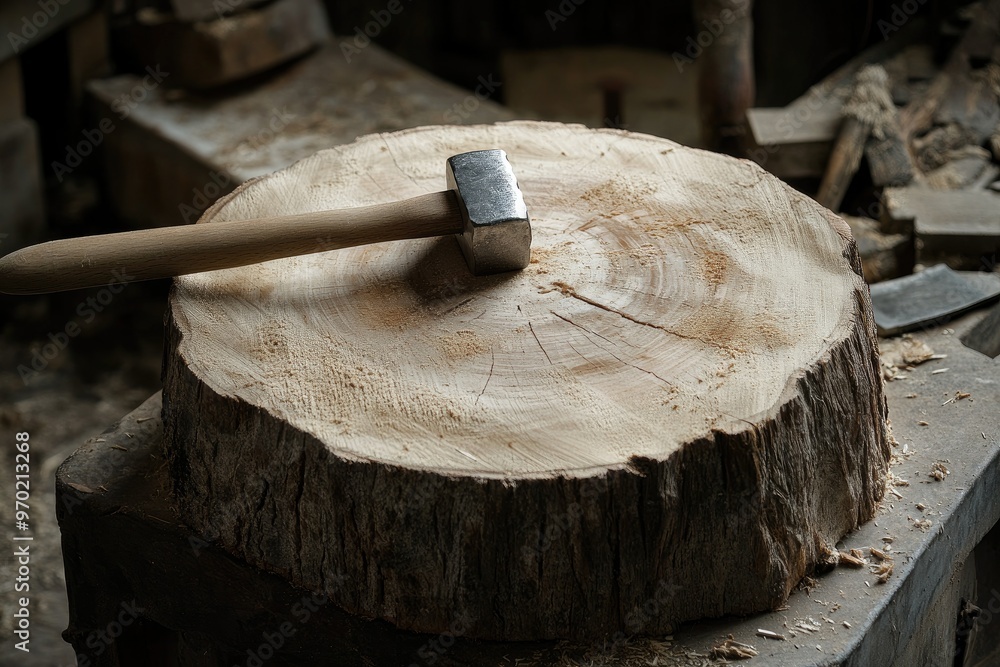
[(678, 402), (148, 254)]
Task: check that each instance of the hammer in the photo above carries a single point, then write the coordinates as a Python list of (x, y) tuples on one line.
[(483, 206)]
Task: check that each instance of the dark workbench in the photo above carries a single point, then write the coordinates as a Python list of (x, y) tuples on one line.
[(126, 547)]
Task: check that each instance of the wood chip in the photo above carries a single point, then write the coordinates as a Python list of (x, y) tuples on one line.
[(879, 554), (923, 423), (915, 351), (767, 634), (732, 650), (850, 560), (959, 395), (847, 625), (119, 447), (939, 471), (940, 370), (883, 570)]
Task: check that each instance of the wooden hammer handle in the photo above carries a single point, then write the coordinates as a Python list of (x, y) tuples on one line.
[(172, 251)]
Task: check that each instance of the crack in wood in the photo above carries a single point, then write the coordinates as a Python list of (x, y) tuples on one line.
[(493, 354), (569, 291), (615, 356), (532, 329)]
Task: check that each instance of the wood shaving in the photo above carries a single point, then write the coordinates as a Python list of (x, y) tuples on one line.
[(939, 471), (732, 650), (923, 524), (850, 560), (879, 554), (767, 634), (808, 624), (883, 571), (914, 351), (889, 374), (898, 481), (923, 423), (633, 652), (940, 370), (959, 395)]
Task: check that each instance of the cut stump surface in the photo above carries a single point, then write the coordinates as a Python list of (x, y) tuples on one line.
[(670, 414)]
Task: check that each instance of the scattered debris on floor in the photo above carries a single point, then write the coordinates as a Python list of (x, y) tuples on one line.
[(852, 559), (733, 650), (939, 471), (883, 571), (959, 396)]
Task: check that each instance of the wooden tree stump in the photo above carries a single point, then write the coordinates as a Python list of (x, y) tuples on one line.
[(671, 414)]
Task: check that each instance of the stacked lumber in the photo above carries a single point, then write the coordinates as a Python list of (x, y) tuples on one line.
[(210, 43), (905, 144)]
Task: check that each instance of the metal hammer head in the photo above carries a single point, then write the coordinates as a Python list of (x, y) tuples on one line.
[(497, 233)]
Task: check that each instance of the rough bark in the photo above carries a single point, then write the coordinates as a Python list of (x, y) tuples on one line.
[(667, 416)]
